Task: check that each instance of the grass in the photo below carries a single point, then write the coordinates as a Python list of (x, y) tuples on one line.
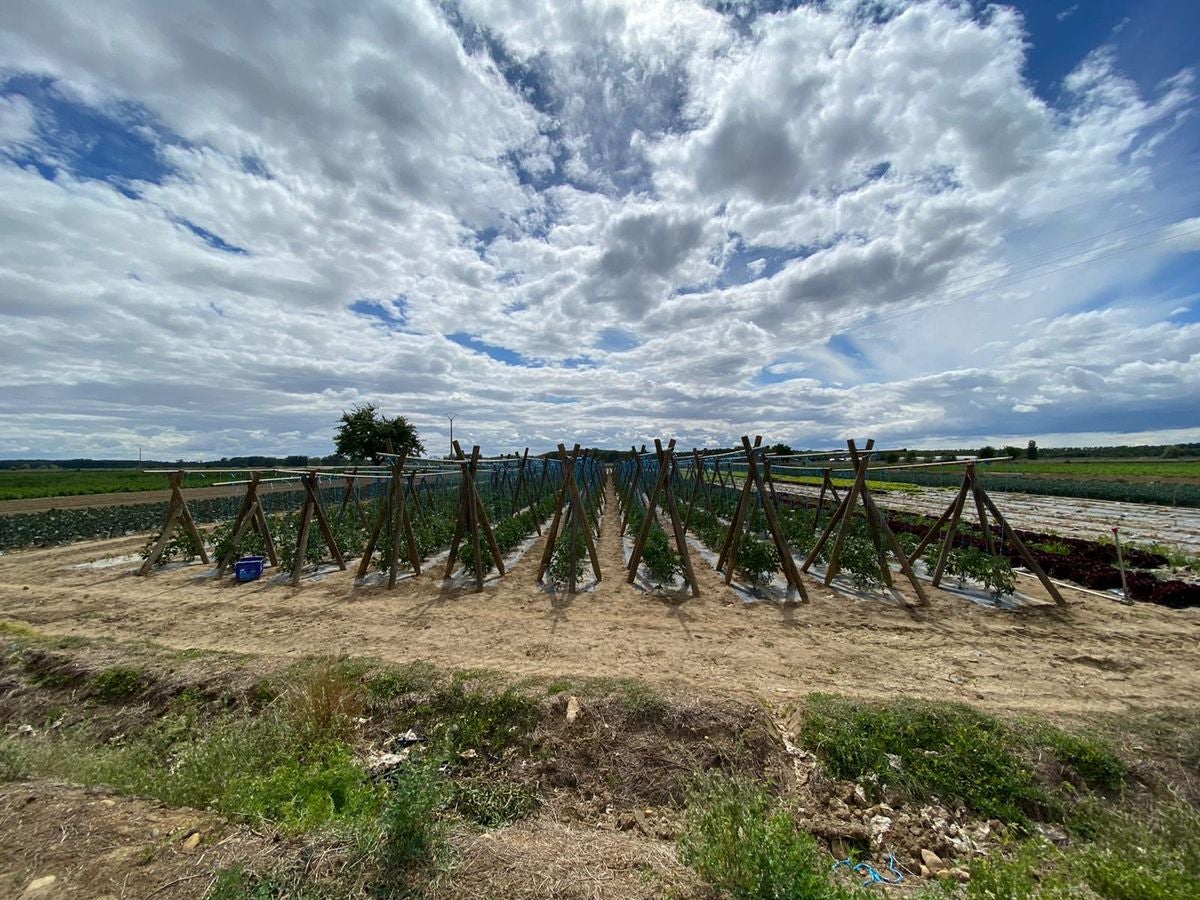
[(845, 483), (34, 483), (953, 753), (1122, 856), (743, 842)]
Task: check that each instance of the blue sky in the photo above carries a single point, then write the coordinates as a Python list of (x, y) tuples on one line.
[(927, 222)]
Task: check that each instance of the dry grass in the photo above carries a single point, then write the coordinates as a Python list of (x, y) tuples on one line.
[(548, 857)]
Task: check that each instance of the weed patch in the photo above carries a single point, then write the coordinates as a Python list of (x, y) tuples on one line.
[(116, 683), (953, 753), (746, 845)]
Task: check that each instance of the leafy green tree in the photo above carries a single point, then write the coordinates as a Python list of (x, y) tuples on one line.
[(1012, 452), (988, 452), (1031, 450), (364, 434)]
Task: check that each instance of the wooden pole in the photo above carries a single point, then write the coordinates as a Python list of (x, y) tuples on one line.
[(786, 562)]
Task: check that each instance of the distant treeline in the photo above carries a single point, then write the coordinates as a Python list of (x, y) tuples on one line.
[(1123, 451), (228, 462)]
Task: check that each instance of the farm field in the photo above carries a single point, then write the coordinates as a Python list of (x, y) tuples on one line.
[(28, 484), (1186, 471), (554, 743)]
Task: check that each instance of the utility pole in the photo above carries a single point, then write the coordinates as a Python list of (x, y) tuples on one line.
[(451, 418)]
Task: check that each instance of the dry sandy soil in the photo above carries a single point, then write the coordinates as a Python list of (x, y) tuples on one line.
[(1094, 655)]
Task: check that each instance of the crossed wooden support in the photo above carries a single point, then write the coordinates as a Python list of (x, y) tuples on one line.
[(472, 518), (757, 482), (250, 515), (177, 514), (394, 514), (522, 492), (569, 515), (881, 534), (350, 492), (983, 504), (313, 509), (664, 485)]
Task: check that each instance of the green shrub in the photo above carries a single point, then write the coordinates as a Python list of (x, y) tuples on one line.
[(116, 683), (757, 559), (661, 561), (560, 561), (411, 834)]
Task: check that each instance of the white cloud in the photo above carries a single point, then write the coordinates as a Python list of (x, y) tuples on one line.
[(667, 209)]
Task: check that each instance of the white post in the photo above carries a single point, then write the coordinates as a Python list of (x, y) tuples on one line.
[(1121, 565)]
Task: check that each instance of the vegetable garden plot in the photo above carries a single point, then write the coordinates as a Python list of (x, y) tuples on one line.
[(428, 508)]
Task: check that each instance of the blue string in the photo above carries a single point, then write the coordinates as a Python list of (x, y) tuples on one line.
[(870, 873)]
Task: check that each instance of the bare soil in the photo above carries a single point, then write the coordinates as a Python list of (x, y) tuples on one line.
[(1094, 655), (60, 841)]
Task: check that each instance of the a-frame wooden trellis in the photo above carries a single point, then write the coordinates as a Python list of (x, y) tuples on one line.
[(702, 486), (250, 515), (664, 485), (755, 484), (983, 503), (472, 518), (826, 485), (177, 515), (523, 492), (313, 509), (570, 516), (881, 534), (637, 487), (395, 514), (350, 492)]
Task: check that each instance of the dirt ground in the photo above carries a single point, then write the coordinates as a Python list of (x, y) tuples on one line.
[(1094, 655), (71, 842)]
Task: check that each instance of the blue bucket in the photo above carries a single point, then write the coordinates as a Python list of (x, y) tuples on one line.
[(248, 568)]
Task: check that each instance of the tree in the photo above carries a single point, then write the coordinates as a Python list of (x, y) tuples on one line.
[(988, 452), (781, 450), (364, 434), (1012, 452), (1031, 450)]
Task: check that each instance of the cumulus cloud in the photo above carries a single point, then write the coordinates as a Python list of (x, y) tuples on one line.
[(604, 220)]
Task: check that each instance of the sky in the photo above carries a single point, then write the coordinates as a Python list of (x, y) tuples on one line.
[(931, 223)]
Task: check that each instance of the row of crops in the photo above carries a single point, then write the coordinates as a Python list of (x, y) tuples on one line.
[(578, 526), (431, 504), (708, 508)]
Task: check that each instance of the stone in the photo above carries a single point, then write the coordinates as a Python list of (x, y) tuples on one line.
[(572, 709), (932, 861), (838, 807), (880, 825), (39, 885), (960, 874), (924, 871), (191, 842)]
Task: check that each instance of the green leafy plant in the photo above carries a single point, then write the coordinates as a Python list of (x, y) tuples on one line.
[(757, 559)]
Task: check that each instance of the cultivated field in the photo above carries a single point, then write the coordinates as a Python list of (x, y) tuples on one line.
[(29, 484), (185, 735)]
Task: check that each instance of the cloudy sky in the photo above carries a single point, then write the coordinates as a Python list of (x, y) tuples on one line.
[(932, 223)]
